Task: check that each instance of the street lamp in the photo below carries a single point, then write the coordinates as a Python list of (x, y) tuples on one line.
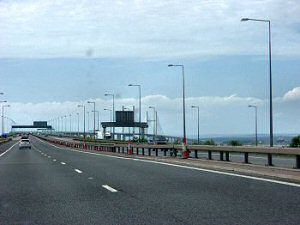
[(109, 114), (83, 106), (140, 105), (3, 106), (270, 74), (198, 109), (91, 102), (113, 112), (70, 115), (77, 124), (255, 107), (155, 122), (65, 124), (98, 119), (183, 100), (88, 121)]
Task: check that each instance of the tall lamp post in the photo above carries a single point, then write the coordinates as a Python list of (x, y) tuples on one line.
[(198, 109), (183, 100), (270, 75), (255, 107), (140, 105), (113, 112), (3, 106), (65, 124), (77, 124), (98, 119), (2, 113), (94, 103), (83, 106), (155, 122), (70, 115), (110, 112)]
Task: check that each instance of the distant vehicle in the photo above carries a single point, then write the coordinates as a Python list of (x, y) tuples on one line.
[(24, 137), (159, 140), (24, 143)]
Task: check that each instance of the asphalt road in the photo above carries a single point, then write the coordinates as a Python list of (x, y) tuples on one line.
[(49, 185)]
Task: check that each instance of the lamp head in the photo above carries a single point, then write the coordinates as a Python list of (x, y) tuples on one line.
[(244, 19), (170, 65)]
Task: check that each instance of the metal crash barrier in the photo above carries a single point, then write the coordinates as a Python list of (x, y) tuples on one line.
[(171, 150)]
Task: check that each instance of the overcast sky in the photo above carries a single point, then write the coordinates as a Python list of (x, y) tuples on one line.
[(56, 54)]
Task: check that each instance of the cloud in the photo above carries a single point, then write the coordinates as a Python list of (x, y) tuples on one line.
[(148, 29), (219, 114), (292, 95)]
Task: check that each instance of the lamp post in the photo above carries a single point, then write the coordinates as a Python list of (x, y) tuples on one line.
[(255, 107), (270, 74), (3, 106), (2, 112), (91, 102), (77, 124), (109, 114), (113, 112), (88, 121), (198, 109), (70, 115), (154, 123), (140, 105), (65, 124), (183, 100), (57, 121), (83, 106), (98, 119)]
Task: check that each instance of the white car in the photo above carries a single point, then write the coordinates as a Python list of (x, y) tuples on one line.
[(24, 143)]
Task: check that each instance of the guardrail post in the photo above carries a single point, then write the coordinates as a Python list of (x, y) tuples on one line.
[(149, 151), (270, 161), (156, 152), (227, 156), (119, 150), (143, 151), (137, 150), (246, 158), (196, 154), (221, 156), (298, 161), (209, 155), (165, 152), (123, 150)]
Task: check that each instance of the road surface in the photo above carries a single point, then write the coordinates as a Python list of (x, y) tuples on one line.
[(50, 185)]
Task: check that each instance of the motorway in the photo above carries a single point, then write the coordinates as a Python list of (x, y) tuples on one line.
[(53, 185)]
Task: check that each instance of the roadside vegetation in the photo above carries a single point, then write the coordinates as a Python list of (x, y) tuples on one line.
[(235, 143), (295, 143)]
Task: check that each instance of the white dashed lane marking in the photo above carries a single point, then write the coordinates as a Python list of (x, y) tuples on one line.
[(107, 187), (62, 163), (78, 171)]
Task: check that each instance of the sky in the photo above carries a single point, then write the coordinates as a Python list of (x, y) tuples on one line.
[(55, 55)]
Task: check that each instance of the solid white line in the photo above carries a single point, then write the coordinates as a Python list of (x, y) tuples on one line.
[(78, 171), (8, 149), (187, 167), (109, 188), (62, 163)]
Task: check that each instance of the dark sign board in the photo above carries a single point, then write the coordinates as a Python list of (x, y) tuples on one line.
[(124, 117), (40, 123)]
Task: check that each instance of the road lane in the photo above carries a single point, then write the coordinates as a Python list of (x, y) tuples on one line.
[(146, 193), (171, 188)]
